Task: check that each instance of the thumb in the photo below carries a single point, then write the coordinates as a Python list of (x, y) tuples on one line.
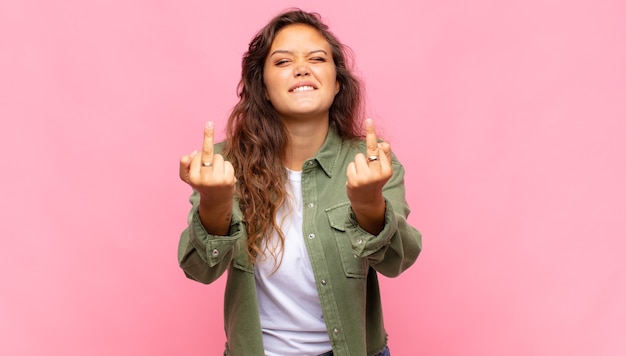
[(184, 167)]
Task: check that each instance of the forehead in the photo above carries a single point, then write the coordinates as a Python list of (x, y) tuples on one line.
[(299, 37)]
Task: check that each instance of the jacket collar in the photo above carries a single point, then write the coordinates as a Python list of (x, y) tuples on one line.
[(328, 155)]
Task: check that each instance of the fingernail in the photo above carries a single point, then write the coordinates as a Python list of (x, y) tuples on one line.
[(209, 125), (193, 153)]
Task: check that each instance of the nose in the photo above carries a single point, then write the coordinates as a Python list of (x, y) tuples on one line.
[(302, 69)]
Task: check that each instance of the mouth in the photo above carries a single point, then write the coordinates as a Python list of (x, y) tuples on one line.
[(301, 87)]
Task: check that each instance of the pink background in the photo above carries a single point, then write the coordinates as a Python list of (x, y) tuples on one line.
[(508, 115)]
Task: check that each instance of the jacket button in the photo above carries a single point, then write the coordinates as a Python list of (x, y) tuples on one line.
[(311, 236), (323, 281), (215, 252), (335, 331), (310, 205)]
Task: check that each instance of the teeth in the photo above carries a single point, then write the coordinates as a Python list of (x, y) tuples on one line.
[(303, 88)]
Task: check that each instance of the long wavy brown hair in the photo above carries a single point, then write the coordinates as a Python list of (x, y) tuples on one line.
[(257, 139)]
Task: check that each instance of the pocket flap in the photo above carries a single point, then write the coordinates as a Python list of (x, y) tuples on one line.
[(337, 216)]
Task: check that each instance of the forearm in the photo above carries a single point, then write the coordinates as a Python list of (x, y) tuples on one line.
[(393, 249), (215, 218), (395, 246), (371, 216), (204, 256)]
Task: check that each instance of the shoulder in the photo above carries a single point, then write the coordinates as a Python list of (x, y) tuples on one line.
[(219, 147)]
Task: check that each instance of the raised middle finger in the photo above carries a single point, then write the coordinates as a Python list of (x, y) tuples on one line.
[(206, 157), (371, 141)]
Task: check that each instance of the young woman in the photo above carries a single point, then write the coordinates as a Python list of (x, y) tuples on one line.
[(300, 209)]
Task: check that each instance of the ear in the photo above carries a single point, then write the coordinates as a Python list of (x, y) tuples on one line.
[(337, 87)]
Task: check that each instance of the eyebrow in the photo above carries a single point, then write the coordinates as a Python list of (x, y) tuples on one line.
[(291, 52)]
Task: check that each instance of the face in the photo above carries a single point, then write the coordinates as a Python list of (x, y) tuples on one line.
[(299, 73)]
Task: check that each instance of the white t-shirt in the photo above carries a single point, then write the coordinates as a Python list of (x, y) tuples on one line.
[(290, 310)]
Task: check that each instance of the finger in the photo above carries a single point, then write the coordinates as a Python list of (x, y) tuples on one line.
[(183, 170), (385, 148), (385, 160), (350, 173), (185, 163), (194, 166), (207, 145), (360, 163), (218, 164), (229, 171), (370, 138)]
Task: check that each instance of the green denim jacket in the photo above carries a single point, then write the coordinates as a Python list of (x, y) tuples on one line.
[(345, 258)]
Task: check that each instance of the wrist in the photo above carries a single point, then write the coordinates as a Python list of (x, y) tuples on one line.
[(373, 207), (215, 218), (370, 217)]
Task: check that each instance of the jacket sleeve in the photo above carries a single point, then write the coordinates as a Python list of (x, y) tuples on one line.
[(397, 246), (202, 256)]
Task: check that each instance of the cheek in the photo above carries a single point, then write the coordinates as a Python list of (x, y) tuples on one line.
[(333, 77), (270, 92), (267, 86), (272, 79)]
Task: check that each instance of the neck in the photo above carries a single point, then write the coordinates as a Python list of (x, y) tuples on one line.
[(305, 139)]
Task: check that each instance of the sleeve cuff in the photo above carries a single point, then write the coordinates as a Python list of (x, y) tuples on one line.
[(213, 248), (364, 243)]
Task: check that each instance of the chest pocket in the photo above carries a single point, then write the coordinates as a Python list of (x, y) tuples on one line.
[(353, 266)]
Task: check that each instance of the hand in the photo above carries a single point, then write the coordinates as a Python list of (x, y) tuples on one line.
[(214, 179), (366, 177)]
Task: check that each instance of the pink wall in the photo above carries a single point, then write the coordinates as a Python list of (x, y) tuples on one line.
[(509, 118)]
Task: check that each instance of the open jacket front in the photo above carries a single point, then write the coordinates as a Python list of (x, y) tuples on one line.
[(345, 258)]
